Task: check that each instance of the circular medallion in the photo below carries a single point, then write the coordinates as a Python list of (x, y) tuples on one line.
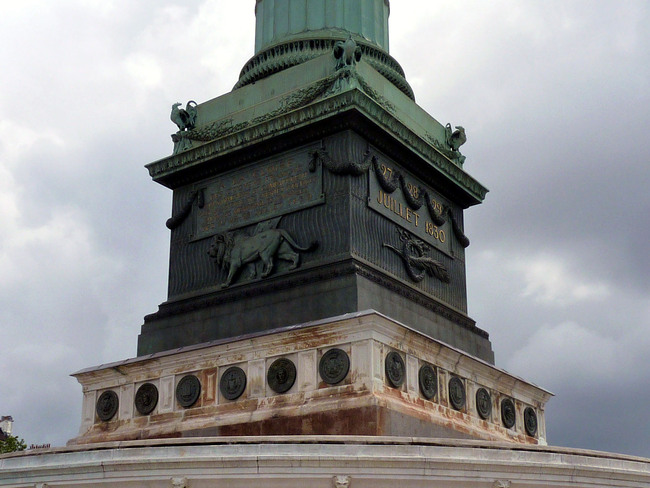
[(395, 369), (508, 413), (281, 375), (188, 390), (483, 403), (530, 421), (334, 366), (428, 381), (146, 398), (456, 393), (107, 404), (233, 383)]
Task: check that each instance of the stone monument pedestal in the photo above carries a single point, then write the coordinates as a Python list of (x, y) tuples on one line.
[(356, 374), (315, 190)]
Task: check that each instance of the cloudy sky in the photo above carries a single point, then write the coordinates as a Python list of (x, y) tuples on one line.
[(555, 98)]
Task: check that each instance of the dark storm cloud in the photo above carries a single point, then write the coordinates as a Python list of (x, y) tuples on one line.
[(583, 419), (554, 98)]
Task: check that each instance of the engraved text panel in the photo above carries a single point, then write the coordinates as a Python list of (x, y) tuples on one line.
[(417, 221), (262, 191)]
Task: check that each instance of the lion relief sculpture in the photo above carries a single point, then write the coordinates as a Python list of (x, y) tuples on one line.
[(231, 251)]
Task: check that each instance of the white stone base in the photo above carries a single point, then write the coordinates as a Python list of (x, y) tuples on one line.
[(364, 403), (321, 462)]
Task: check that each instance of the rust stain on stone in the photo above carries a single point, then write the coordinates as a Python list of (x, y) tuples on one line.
[(165, 417), (208, 379), (355, 421), (338, 410)]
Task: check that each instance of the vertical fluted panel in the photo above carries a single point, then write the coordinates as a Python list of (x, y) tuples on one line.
[(315, 13), (343, 225), (371, 230), (298, 17), (192, 269), (279, 19)]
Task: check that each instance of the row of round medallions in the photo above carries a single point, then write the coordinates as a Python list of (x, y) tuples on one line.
[(333, 367), (427, 379)]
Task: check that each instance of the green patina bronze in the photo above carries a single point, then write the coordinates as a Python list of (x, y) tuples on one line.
[(317, 187), (280, 20), (291, 32)]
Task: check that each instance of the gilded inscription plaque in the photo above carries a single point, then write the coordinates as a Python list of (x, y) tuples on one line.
[(258, 192), (394, 205)]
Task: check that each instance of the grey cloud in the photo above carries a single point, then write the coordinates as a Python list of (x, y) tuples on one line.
[(554, 98)]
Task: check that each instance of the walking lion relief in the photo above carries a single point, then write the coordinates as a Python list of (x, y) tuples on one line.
[(257, 252)]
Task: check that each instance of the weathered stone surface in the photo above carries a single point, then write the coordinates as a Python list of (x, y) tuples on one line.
[(370, 399), (334, 366), (146, 398)]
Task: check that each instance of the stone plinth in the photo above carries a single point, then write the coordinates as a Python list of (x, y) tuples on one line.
[(397, 381), (321, 462)]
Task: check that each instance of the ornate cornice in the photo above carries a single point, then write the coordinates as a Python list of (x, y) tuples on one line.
[(236, 136)]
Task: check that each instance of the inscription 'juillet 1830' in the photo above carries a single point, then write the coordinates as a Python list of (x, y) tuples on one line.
[(410, 216), (393, 205)]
